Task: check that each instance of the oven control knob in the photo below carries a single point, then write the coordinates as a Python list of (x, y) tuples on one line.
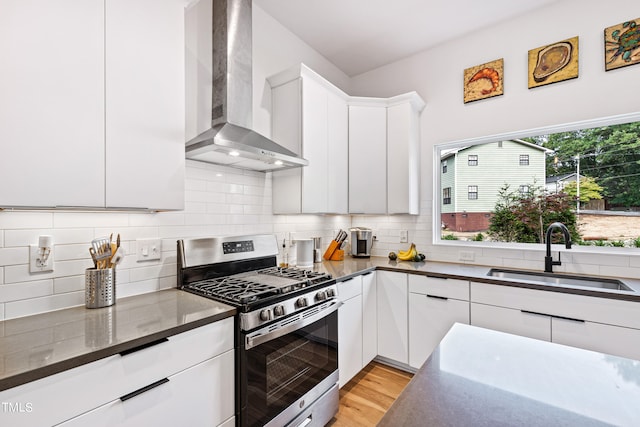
[(278, 310), (331, 293), (265, 314), (321, 296), (301, 302)]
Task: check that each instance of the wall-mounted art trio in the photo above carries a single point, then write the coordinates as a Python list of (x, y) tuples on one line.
[(555, 62)]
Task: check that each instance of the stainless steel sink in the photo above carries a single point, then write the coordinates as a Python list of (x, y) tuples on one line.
[(559, 279)]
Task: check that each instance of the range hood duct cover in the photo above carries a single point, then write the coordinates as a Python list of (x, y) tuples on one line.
[(230, 139)]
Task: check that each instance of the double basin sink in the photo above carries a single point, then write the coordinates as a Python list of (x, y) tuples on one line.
[(560, 279)]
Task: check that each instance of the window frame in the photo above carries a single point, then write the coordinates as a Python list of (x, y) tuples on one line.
[(469, 192), (444, 197), (555, 128), (523, 157), (470, 161)]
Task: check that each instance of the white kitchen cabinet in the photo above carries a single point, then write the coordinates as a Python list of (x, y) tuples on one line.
[(435, 304), (92, 103), (616, 340), (350, 329), (367, 156), (145, 101), (52, 103), (63, 396), (601, 324), (384, 154), (310, 117), (393, 328), (403, 154), (511, 320), (199, 395), (369, 318)]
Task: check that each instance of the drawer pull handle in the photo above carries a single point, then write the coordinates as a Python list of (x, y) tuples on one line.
[(437, 277), (143, 346), (367, 273), (568, 318), (143, 389), (437, 297), (347, 280), (535, 313)]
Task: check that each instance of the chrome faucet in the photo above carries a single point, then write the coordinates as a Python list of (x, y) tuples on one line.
[(548, 260)]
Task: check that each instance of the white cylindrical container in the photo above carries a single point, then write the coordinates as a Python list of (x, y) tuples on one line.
[(304, 253)]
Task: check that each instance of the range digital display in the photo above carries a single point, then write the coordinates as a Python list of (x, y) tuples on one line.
[(237, 247)]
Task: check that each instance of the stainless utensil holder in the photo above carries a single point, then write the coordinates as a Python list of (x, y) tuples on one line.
[(100, 287)]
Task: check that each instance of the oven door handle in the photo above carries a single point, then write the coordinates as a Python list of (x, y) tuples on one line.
[(262, 336)]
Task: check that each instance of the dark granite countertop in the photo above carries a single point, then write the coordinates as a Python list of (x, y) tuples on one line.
[(37, 346), (40, 345), (479, 377), (477, 273)]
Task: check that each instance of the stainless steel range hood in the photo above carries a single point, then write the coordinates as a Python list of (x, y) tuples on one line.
[(220, 90)]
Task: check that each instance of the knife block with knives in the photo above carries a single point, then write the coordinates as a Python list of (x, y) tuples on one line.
[(335, 252)]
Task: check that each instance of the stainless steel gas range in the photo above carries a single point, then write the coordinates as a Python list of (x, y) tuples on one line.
[(286, 328)]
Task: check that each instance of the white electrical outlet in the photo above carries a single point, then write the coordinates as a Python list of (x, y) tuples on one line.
[(36, 262), (149, 249), (404, 236), (467, 256)]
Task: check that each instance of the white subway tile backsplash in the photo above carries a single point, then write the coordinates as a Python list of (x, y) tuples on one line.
[(90, 219), (42, 304), (26, 290), (13, 256), (20, 220), (68, 284)]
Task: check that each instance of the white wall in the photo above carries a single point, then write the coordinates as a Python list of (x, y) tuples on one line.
[(437, 75)]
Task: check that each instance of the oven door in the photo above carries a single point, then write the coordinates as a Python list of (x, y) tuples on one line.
[(293, 358)]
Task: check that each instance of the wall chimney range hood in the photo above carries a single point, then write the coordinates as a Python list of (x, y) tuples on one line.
[(219, 90)]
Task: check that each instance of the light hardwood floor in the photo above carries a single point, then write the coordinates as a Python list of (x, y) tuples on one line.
[(365, 399)]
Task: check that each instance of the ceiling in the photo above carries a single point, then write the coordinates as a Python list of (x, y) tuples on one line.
[(361, 35)]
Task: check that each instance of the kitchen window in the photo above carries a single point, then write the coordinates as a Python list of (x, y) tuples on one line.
[(473, 192), (446, 196), (603, 150)]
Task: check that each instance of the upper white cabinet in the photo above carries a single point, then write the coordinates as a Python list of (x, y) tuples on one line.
[(367, 157), (52, 103), (145, 87), (364, 153), (92, 103), (384, 155), (403, 154), (310, 118)]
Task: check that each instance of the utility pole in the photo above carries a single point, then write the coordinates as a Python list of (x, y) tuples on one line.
[(577, 185)]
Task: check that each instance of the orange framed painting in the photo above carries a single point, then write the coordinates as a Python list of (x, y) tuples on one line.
[(622, 45), (553, 63), (484, 81)]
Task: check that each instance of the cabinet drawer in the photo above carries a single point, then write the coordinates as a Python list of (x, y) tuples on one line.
[(440, 287), (511, 321), (595, 309), (350, 288), (61, 396), (174, 402)]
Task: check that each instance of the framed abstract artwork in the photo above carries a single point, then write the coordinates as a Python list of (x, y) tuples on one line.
[(484, 81), (553, 63), (622, 45)]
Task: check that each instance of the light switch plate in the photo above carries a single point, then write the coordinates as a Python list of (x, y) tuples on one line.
[(149, 249), (404, 236), (467, 256)]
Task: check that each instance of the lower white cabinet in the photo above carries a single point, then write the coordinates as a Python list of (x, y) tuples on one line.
[(393, 326), (197, 361), (357, 326), (435, 304), (611, 339), (600, 324), (512, 321), (369, 317), (350, 329), (196, 396)]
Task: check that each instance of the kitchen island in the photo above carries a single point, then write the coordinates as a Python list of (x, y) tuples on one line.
[(482, 377)]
